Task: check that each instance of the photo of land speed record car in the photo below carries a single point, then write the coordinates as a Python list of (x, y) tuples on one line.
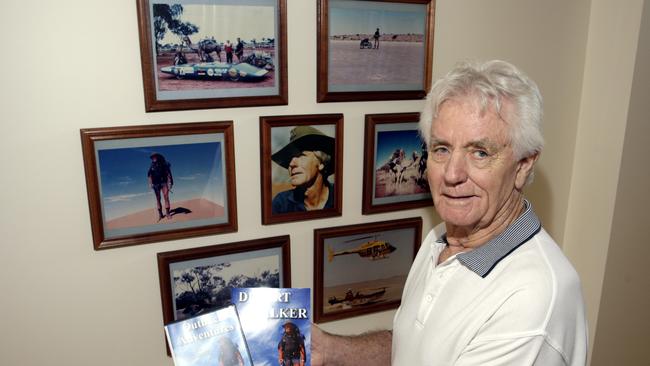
[(221, 70)]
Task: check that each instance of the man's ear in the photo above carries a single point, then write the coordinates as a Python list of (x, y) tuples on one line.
[(321, 167), (524, 169)]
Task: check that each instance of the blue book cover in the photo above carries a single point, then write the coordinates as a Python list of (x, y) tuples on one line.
[(276, 324), (214, 338)]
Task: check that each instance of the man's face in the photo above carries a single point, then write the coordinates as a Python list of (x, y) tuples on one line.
[(304, 168), (471, 167)]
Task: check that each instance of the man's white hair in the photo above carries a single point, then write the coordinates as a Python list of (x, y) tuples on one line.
[(492, 83)]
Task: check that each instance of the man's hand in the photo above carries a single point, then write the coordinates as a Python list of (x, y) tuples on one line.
[(317, 349)]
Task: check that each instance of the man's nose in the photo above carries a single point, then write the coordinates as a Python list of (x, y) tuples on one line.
[(456, 168), (293, 162)]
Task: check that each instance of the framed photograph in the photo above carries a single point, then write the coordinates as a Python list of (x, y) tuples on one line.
[(198, 280), (301, 158), (395, 164), (361, 269), (374, 50), (159, 182), (213, 53)]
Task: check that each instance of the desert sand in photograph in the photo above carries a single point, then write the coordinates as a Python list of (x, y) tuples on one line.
[(181, 211), (392, 285), (171, 83), (392, 63)]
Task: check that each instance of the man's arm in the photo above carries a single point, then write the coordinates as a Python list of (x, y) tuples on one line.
[(372, 348)]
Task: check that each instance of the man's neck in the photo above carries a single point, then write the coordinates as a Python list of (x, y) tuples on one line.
[(316, 194), (461, 239)]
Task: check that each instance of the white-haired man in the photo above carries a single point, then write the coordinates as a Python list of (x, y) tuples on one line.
[(489, 286)]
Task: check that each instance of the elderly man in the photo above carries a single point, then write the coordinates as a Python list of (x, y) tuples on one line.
[(308, 160), (489, 286)]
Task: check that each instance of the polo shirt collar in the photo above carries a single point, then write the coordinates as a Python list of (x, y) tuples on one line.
[(484, 258)]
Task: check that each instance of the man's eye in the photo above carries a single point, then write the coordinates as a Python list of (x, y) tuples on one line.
[(480, 154), (439, 150)]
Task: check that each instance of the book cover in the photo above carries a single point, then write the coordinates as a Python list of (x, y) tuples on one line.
[(276, 323), (214, 338)]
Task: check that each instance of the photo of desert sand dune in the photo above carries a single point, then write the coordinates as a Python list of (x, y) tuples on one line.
[(138, 199), (195, 209)]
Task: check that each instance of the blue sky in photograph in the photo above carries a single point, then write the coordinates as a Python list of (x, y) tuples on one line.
[(263, 333), (389, 141), (196, 168), (351, 18)]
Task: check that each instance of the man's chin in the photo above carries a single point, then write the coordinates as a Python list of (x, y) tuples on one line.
[(457, 216)]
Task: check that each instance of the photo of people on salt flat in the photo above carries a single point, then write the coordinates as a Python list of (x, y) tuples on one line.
[(376, 45), (216, 48)]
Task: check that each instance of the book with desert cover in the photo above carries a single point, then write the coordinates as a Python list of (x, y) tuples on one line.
[(276, 324), (213, 338)]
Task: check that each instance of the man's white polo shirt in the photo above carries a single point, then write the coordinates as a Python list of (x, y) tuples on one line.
[(515, 300)]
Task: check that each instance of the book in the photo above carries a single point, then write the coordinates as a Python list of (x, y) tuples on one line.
[(213, 338), (276, 323)]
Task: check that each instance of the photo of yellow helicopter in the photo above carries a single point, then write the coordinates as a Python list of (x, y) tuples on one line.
[(373, 249)]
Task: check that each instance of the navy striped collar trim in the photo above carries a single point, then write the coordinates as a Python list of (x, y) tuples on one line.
[(484, 258)]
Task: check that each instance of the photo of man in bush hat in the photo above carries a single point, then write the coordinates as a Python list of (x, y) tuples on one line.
[(308, 158)]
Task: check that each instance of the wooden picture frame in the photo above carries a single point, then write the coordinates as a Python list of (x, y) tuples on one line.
[(252, 263), (395, 162), (194, 177), (374, 50), (284, 194), (181, 41), (198, 280), (361, 269)]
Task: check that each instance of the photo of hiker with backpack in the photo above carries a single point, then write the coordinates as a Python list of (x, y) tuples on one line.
[(161, 182), (291, 349)]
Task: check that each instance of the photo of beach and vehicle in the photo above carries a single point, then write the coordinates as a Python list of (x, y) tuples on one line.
[(362, 270)]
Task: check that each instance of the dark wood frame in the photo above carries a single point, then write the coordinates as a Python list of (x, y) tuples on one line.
[(322, 88), (165, 259), (320, 235), (372, 120), (269, 122), (152, 104), (90, 136)]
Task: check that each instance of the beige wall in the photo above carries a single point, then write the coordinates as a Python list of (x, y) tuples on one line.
[(74, 64), (608, 75), (622, 331)]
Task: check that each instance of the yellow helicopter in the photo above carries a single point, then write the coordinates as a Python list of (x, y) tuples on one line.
[(373, 249)]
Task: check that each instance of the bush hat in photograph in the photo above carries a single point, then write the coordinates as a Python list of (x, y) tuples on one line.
[(304, 138)]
